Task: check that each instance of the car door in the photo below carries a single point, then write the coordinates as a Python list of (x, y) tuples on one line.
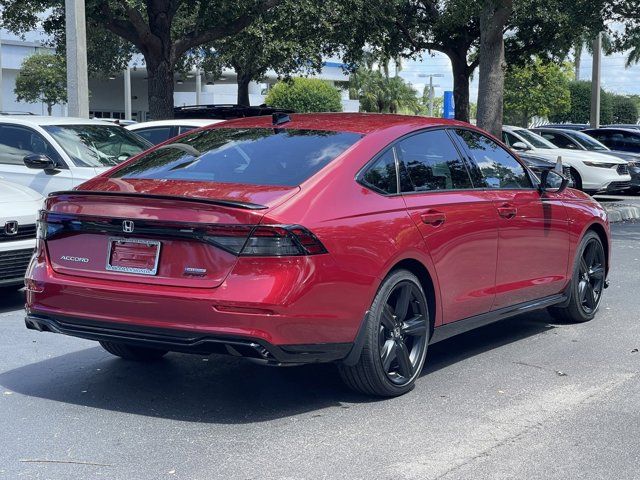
[(533, 241), (18, 141), (457, 222)]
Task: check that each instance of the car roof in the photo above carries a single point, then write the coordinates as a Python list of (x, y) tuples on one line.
[(188, 122), (614, 129), (512, 128), (42, 120), (363, 123)]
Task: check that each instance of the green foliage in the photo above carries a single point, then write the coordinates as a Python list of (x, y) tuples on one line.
[(42, 78), (382, 94), (305, 95), (290, 38), (580, 108), (624, 109), (537, 89)]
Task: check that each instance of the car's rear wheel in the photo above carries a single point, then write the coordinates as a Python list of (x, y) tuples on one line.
[(587, 282), (132, 352), (396, 339)]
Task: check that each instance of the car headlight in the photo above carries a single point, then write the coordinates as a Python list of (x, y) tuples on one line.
[(600, 164)]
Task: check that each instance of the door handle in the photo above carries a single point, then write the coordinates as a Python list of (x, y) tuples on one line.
[(507, 211), (433, 217)]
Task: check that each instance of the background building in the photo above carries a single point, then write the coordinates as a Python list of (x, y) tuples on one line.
[(106, 96)]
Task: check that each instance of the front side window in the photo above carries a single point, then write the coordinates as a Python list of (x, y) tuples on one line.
[(429, 161), (256, 156), (494, 167), (558, 140), (16, 142), (534, 139), (381, 176), (96, 145)]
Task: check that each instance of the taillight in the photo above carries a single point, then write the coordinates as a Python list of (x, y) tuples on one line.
[(266, 240)]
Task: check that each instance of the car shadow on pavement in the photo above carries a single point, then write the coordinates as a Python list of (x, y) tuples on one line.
[(222, 389), (490, 337), (11, 299)]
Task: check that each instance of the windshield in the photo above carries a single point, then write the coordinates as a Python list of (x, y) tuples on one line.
[(257, 156), (534, 139), (96, 145), (587, 142)]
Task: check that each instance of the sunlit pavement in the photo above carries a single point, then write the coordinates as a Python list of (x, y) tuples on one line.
[(526, 398)]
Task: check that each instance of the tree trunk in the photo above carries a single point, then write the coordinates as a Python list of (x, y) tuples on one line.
[(243, 89), (492, 65), (460, 86), (160, 89), (49, 108), (577, 53)]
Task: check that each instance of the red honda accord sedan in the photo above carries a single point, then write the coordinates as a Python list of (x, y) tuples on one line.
[(358, 239)]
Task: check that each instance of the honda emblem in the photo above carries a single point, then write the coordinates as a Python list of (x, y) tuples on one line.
[(127, 226), (11, 228)]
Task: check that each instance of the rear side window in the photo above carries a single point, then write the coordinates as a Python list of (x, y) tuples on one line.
[(429, 161), (494, 166), (257, 156), (381, 176), (155, 135)]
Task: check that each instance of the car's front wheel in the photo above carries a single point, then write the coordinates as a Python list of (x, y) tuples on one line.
[(132, 352), (396, 339), (587, 282)]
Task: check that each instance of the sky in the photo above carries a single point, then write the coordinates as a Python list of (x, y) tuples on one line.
[(615, 77)]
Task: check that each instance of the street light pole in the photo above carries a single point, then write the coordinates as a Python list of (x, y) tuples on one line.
[(0, 73), (595, 82), (127, 93), (431, 85), (77, 77)]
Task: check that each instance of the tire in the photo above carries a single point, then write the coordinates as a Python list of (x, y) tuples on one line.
[(587, 282), (576, 180), (134, 353), (396, 339)]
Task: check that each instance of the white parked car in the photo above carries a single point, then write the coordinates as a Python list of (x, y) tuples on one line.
[(591, 171), (19, 207), (51, 154), (159, 131)]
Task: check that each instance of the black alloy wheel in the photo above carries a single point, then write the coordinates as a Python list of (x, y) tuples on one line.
[(591, 276), (402, 334), (587, 282), (396, 339)]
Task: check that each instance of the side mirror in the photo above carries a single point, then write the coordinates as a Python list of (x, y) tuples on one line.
[(39, 161), (552, 181), (520, 146)]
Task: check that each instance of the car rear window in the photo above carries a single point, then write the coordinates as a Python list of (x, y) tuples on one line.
[(259, 156)]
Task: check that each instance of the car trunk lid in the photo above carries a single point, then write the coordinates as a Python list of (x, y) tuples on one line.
[(175, 236)]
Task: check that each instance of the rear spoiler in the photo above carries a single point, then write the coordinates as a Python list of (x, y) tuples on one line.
[(209, 201)]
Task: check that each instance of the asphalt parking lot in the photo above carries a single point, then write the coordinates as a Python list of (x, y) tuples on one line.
[(525, 398)]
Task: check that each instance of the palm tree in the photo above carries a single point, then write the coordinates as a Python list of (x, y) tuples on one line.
[(578, 47), (382, 94)]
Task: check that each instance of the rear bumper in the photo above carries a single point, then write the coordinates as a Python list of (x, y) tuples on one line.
[(189, 341)]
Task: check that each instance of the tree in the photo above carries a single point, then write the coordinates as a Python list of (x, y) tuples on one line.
[(163, 31), (539, 89), (290, 38), (379, 93), (535, 27), (493, 19), (580, 106), (42, 78), (624, 109), (305, 95)]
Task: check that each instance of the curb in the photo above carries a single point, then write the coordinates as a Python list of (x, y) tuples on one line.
[(621, 213)]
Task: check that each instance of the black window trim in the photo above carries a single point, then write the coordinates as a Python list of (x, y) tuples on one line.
[(469, 158), (392, 145), (59, 161)]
